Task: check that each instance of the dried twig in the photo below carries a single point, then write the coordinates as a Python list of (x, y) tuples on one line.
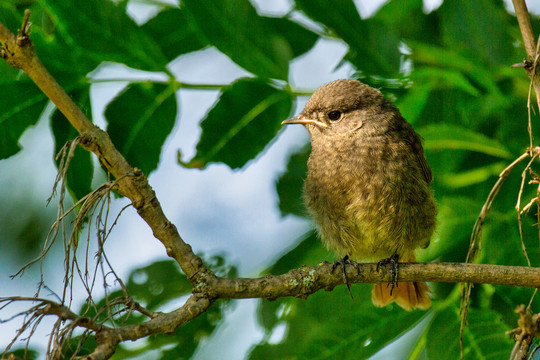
[(21, 55), (476, 237)]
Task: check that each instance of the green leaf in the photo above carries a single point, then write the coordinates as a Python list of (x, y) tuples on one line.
[(81, 169), (11, 14), (289, 186), (101, 30), (445, 79), (325, 332), (478, 29), (67, 62), (473, 176), (442, 137), (456, 218), (448, 58), (20, 110), (160, 284), (237, 31), (484, 338), (157, 284), (25, 102), (332, 326), (174, 33), (299, 38), (22, 353), (180, 344), (308, 250), (373, 47), (408, 20), (245, 119), (427, 79), (140, 119), (79, 346), (414, 101)]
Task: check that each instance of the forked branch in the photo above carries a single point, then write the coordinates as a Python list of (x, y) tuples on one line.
[(18, 51)]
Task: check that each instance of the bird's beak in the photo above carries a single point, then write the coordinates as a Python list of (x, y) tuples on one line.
[(301, 119)]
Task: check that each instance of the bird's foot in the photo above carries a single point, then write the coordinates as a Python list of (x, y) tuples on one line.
[(343, 263), (393, 261)]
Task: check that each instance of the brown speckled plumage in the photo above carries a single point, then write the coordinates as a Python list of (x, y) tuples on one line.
[(367, 186)]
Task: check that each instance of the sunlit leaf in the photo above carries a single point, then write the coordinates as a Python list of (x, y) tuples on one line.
[(449, 58), (442, 136), (474, 176)]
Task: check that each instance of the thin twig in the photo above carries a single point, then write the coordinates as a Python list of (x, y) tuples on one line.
[(476, 238), (475, 244), (518, 205), (136, 188)]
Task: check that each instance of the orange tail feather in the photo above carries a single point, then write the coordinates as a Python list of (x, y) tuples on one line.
[(408, 295)]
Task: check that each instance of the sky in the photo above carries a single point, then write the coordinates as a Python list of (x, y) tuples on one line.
[(217, 211)]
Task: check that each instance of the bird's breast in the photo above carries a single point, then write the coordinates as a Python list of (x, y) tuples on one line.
[(365, 193)]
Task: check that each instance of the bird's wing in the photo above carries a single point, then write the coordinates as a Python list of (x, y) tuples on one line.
[(418, 150), (414, 141)]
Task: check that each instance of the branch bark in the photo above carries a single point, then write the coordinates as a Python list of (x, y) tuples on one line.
[(108, 338), (529, 41), (307, 280)]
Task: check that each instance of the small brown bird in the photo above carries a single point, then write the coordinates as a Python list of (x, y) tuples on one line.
[(367, 185)]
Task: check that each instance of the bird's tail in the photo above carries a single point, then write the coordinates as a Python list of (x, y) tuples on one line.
[(408, 295)]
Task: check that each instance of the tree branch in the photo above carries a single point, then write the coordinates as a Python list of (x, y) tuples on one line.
[(299, 283), (308, 280), (525, 26), (529, 42), (19, 52), (108, 338)]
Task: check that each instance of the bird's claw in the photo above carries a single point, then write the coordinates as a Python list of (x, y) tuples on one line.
[(342, 263), (393, 261)]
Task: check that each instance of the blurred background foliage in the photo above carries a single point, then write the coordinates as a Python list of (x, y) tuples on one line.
[(447, 70)]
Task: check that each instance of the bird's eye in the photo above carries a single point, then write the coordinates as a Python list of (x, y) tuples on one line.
[(334, 115)]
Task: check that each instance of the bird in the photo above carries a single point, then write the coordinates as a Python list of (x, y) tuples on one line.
[(367, 186)]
